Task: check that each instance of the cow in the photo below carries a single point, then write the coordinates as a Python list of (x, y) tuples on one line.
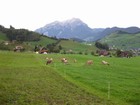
[(105, 63), (64, 60), (89, 62), (49, 61)]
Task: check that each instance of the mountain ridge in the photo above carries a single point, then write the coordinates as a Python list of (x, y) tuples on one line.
[(76, 28)]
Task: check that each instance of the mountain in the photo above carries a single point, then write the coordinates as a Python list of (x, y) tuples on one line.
[(130, 30), (73, 28), (32, 41), (76, 29)]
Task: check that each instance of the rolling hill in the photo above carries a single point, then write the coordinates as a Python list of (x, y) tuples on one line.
[(76, 47), (123, 40), (11, 37), (29, 40)]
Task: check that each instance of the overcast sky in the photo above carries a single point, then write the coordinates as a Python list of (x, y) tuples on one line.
[(33, 14)]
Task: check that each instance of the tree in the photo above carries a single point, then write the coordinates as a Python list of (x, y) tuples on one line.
[(11, 27), (102, 45), (60, 47), (92, 53), (118, 53), (36, 48)]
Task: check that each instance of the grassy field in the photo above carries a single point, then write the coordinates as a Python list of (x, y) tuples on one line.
[(76, 46), (123, 76), (123, 41), (43, 41), (26, 80)]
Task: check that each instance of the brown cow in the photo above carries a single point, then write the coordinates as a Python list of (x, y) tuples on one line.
[(89, 62), (49, 61), (64, 60)]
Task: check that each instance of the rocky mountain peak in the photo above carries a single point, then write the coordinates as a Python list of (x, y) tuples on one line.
[(76, 28)]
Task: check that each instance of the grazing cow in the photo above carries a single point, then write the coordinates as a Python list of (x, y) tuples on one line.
[(89, 62), (49, 61), (47, 58), (64, 60), (104, 62)]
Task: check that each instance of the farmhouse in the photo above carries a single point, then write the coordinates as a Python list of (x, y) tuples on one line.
[(127, 54), (18, 48), (43, 51), (103, 52), (6, 42)]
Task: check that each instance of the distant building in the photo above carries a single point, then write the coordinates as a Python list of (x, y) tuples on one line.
[(6, 43), (18, 48), (43, 51), (103, 52)]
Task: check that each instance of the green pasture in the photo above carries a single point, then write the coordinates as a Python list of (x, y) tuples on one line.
[(123, 41), (76, 46), (118, 82), (43, 41), (25, 79)]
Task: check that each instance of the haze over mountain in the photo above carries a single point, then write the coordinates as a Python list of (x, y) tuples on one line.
[(75, 28)]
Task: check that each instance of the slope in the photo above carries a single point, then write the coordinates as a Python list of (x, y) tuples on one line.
[(31, 82), (70, 45), (123, 40), (3, 37)]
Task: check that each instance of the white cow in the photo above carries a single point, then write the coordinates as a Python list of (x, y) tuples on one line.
[(105, 62)]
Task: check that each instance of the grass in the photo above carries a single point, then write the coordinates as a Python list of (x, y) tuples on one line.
[(3, 37), (122, 74), (26, 80), (43, 41), (76, 46), (124, 41)]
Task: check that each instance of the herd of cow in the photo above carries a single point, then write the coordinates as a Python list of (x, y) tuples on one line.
[(65, 61)]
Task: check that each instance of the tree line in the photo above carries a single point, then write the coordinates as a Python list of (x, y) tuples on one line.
[(102, 45), (20, 34)]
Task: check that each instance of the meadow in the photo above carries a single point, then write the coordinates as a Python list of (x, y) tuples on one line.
[(123, 40), (25, 79)]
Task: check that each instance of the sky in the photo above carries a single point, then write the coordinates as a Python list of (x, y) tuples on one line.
[(33, 14)]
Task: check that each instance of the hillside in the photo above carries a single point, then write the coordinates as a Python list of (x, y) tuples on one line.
[(3, 37), (9, 38), (26, 80), (75, 47), (123, 40), (28, 45)]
